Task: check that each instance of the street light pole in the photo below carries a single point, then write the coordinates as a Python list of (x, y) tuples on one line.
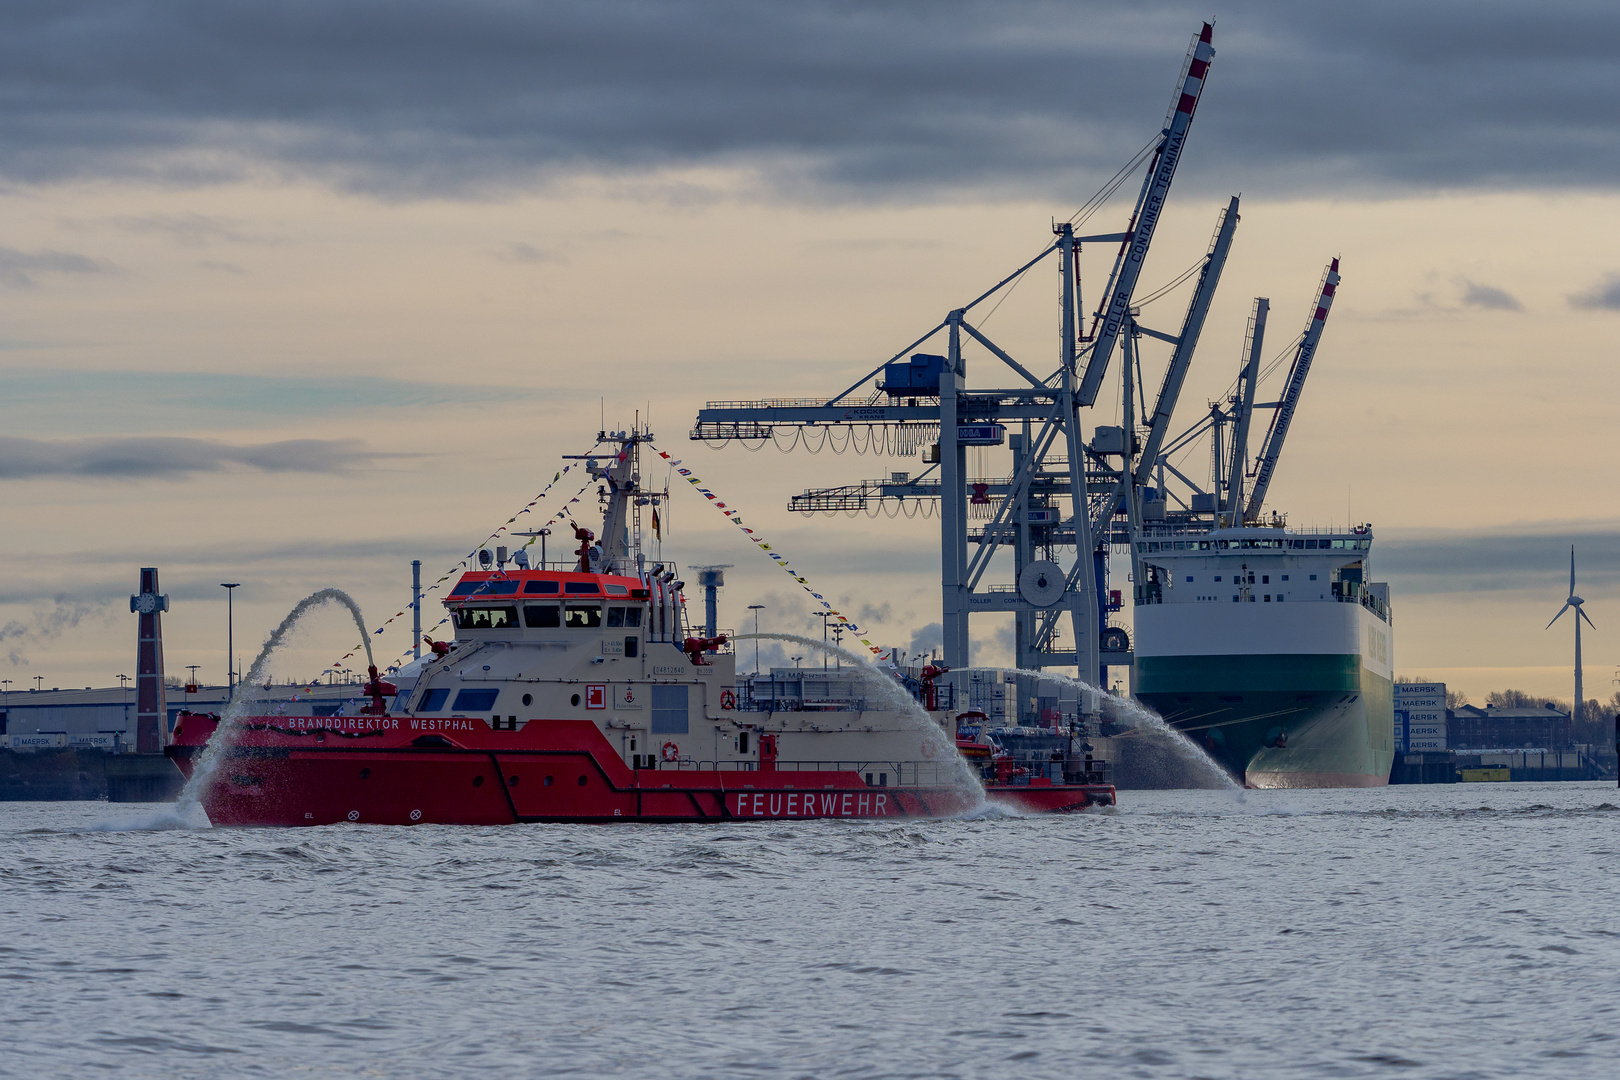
[(756, 609), (824, 616), (230, 641)]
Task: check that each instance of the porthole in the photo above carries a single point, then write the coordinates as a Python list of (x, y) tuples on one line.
[(574, 700), (512, 781), (547, 781), (528, 699), (478, 781), (365, 774), (582, 780)]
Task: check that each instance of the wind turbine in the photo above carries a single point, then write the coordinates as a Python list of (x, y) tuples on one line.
[(1580, 613)]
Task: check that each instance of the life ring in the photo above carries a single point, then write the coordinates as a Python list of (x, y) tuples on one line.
[(728, 700), (671, 752)]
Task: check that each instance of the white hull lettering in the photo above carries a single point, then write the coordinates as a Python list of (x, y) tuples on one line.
[(802, 805), (433, 724), (337, 723)]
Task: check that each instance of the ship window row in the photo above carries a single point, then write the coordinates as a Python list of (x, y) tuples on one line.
[(470, 700), (1251, 598), (546, 617), (532, 588), (1146, 546), (1265, 579)]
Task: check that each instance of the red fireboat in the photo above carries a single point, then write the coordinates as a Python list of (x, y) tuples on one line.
[(575, 693)]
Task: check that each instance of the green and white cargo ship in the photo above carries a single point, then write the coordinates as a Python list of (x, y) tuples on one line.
[(1271, 648)]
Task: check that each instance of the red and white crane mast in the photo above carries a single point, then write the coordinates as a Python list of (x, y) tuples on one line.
[(1110, 319)]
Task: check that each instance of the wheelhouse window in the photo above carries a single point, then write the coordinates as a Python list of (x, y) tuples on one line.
[(582, 587), (486, 618), (542, 616), (474, 700), (583, 616), (539, 586), (619, 616)]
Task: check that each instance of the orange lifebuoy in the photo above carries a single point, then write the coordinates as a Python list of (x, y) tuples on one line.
[(728, 700), (671, 752)]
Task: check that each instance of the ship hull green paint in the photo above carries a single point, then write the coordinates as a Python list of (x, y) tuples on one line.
[(1279, 720)]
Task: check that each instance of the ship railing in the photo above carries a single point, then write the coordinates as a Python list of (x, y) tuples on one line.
[(1251, 543), (1204, 529), (1367, 600), (786, 699), (878, 774)]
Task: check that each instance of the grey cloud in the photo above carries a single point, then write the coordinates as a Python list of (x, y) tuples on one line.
[(879, 613), (1489, 297), (189, 229), (1505, 562), (928, 639), (45, 624), (895, 101), (153, 456), (1602, 297), (528, 253), (172, 397), (19, 268)]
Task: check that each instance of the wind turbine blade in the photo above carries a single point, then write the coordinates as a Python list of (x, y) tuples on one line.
[(1560, 615), (1582, 613), (1572, 569)]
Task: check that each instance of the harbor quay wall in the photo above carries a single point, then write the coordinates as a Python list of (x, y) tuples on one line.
[(53, 775)]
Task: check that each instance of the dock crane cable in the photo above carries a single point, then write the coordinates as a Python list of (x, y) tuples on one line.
[(1106, 192), (1098, 200)]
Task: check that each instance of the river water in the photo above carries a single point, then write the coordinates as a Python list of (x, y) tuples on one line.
[(1458, 931)]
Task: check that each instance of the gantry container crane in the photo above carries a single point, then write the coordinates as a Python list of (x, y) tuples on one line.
[(922, 390)]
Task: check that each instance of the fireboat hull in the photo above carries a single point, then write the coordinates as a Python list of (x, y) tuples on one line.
[(289, 771)]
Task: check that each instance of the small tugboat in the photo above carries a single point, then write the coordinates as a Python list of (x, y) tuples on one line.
[(575, 693)]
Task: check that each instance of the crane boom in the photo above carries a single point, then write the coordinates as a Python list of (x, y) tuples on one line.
[(1266, 465), (1145, 219), (1245, 410), (1197, 308)]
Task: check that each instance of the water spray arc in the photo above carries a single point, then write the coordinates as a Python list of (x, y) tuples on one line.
[(1143, 719), (895, 697), (224, 737)]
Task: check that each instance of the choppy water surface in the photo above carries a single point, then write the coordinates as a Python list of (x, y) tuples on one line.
[(1462, 931)]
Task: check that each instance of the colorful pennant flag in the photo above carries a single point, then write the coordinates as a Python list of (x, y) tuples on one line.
[(735, 518)]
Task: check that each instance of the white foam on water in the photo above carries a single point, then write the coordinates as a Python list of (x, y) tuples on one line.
[(169, 817)]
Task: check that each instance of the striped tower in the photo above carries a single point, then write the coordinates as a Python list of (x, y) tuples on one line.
[(151, 712)]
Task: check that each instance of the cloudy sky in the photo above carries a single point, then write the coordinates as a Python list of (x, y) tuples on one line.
[(292, 294)]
